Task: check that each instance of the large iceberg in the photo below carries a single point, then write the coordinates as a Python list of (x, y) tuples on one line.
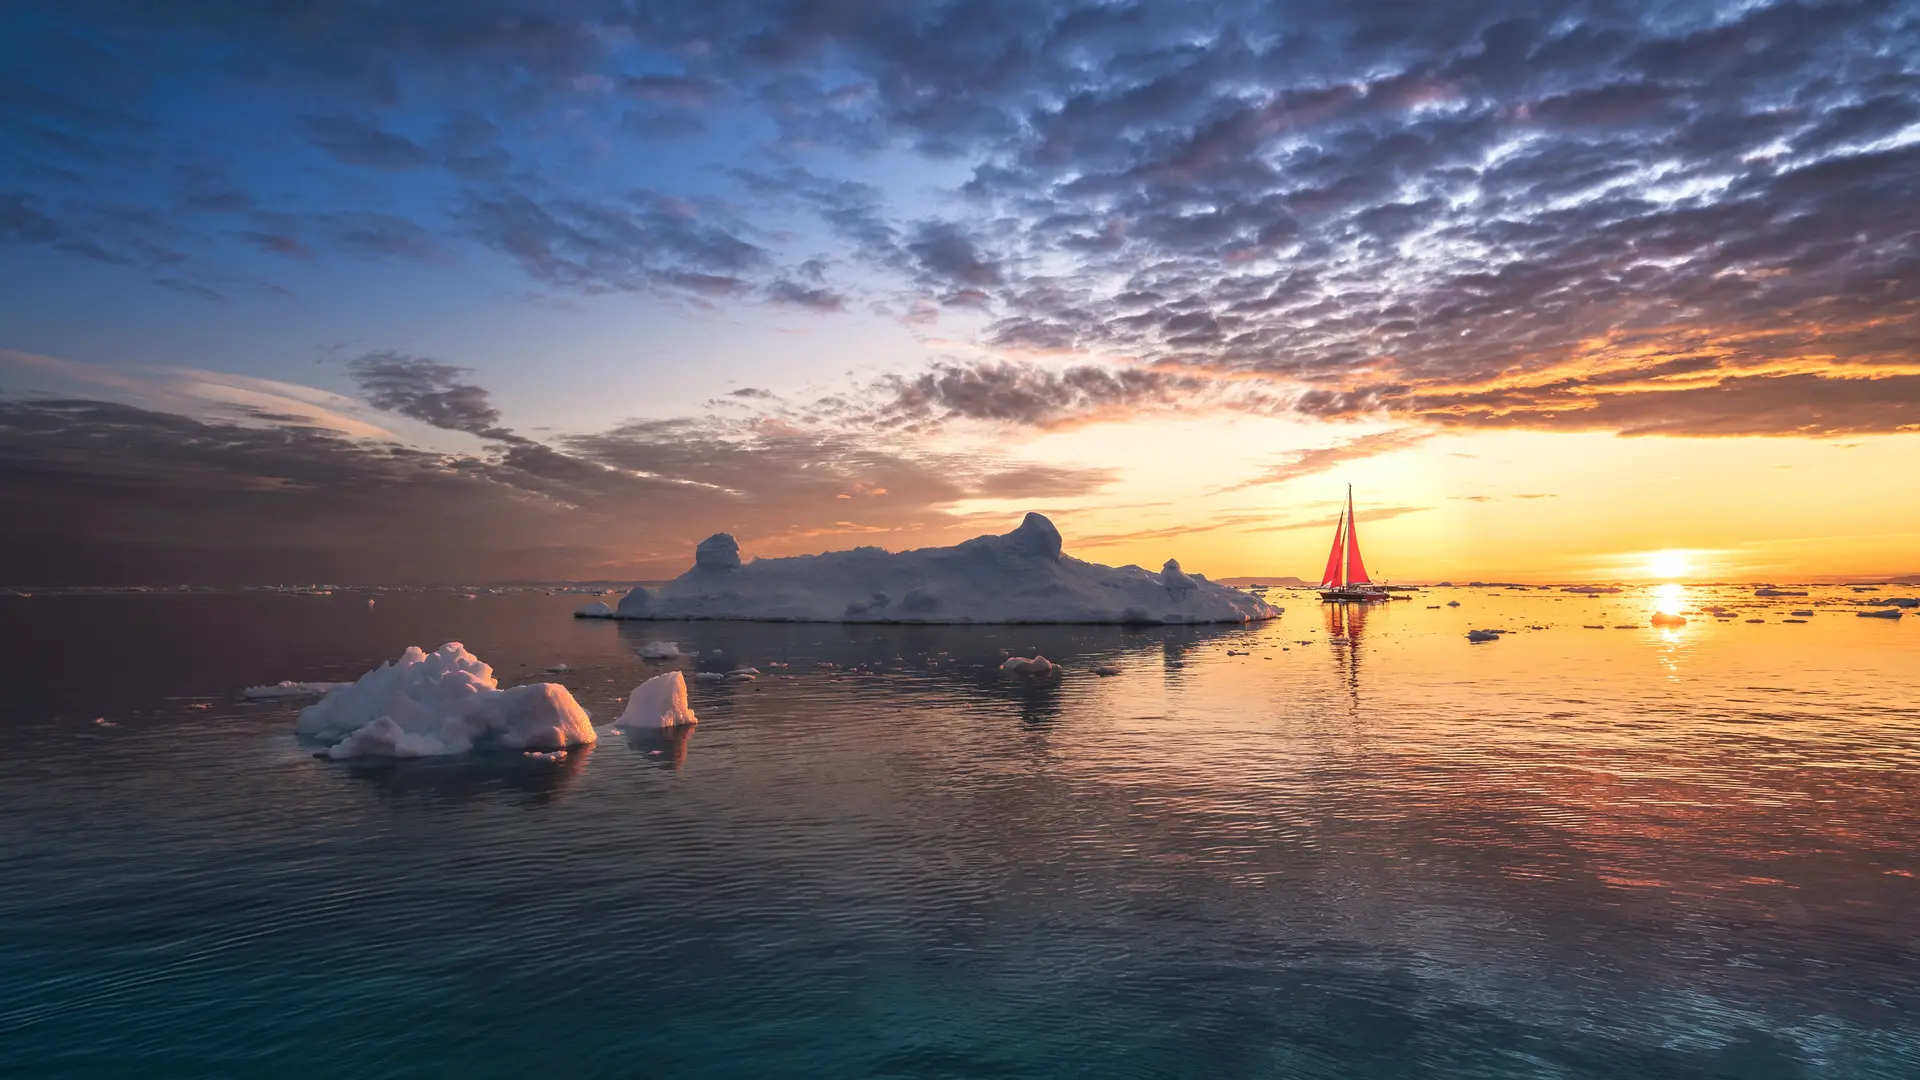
[(1021, 577), (444, 702)]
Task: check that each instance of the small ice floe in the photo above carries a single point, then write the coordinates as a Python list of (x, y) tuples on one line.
[(1801, 614), (658, 703), (1756, 620), (1662, 618), (1106, 671), (104, 722), (1238, 652), (744, 671), (1779, 592), (1594, 626), (659, 650), (1021, 665), (826, 665), (547, 755), (716, 652), (287, 688), (560, 669), (1453, 603), (593, 609), (1903, 601), (443, 702), (1477, 636), (1627, 626), (1433, 607), (740, 676), (708, 676), (1801, 621), (1884, 613)]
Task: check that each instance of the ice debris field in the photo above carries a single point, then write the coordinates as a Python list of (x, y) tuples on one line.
[(1021, 577)]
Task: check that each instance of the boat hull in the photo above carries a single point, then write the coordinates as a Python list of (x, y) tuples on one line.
[(1353, 596)]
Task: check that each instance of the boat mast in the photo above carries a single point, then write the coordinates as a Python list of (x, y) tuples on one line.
[(1346, 548)]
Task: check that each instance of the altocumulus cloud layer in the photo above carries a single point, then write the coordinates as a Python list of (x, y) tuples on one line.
[(1650, 218)]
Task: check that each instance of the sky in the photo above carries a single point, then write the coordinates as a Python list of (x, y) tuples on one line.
[(492, 290)]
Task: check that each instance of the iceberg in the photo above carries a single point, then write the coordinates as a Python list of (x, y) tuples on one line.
[(658, 703), (443, 702), (1020, 577), (593, 609)]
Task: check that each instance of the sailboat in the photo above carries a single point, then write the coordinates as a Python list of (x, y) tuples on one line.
[(1345, 580)]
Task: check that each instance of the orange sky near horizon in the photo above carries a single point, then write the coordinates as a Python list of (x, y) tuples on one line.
[(1496, 505)]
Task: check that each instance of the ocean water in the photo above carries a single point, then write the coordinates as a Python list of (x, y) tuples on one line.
[(1364, 848)]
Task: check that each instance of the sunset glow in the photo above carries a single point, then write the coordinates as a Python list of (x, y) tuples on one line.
[(411, 304)]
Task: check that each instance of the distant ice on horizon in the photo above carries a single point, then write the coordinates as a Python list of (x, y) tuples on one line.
[(443, 702), (1020, 577)]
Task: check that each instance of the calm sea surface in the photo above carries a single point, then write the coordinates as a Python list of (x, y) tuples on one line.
[(1365, 848)]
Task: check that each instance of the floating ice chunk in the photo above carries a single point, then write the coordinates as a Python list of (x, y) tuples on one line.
[(659, 650), (1453, 603), (285, 688), (744, 671), (660, 702), (1021, 665), (1662, 618), (1903, 601), (593, 609), (1802, 613), (1884, 613), (1106, 671), (560, 669), (1477, 636), (444, 702), (708, 676), (547, 755)]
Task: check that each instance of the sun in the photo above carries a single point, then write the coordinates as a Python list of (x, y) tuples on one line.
[(1668, 564)]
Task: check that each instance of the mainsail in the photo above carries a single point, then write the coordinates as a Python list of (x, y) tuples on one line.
[(1344, 565), (1356, 569)]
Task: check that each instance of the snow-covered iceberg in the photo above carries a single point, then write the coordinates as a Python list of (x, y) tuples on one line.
[(444, 702), (1021, 577), (660, 702)]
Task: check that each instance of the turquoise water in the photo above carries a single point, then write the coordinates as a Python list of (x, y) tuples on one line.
[(1364, 849)]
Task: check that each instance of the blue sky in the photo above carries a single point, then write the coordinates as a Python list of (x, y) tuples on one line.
[(671, 267)]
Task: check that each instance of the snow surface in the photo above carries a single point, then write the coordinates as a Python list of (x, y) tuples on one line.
[(284, 688), (444, 702), (1021, 577), (658, 703)]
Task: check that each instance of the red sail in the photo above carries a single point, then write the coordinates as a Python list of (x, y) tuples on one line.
[(1332, 577), (1356, 567)]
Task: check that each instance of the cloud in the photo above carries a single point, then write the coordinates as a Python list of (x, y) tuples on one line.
[(1032, 395), (263, 485), (1295, 464), (195, 393), (428, 391), (359, 143), (1692, 220)]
